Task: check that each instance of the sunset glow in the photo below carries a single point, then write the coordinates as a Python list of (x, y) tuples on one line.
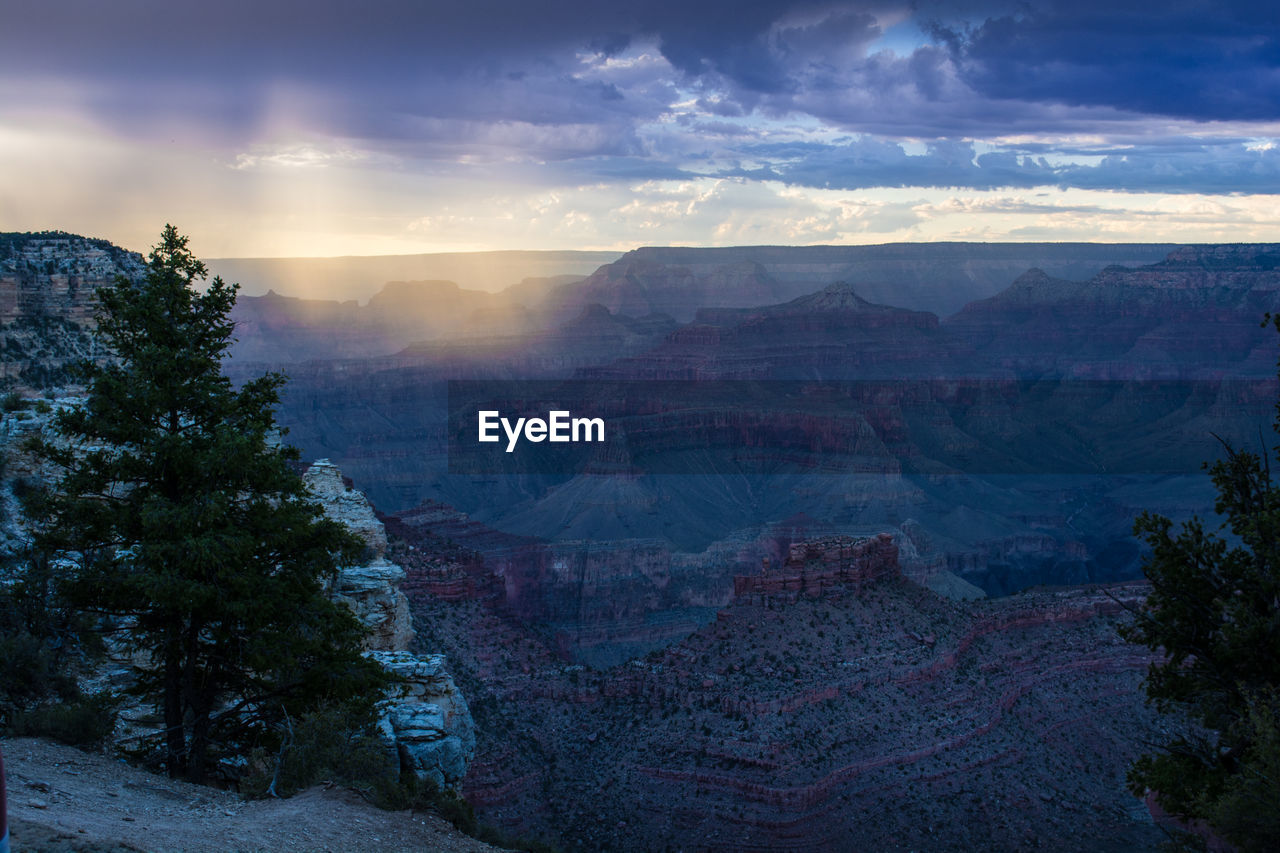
[(284, 130)]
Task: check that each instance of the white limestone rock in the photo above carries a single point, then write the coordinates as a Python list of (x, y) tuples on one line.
[(428, 720), (348, 506), (371, 590)]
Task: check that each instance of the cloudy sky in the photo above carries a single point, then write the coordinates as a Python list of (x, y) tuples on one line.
[(282, 127)]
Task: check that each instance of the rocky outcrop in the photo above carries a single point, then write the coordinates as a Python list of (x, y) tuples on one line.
[(23, 419), (55, 275), (812, 568), (638, 287), (783, 724), (1193, 315), (274, 328), (48, 285), (371, 589), (429, 721), (833, 333), (426, 720)]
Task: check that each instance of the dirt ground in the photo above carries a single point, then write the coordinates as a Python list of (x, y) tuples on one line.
[(62, 799)]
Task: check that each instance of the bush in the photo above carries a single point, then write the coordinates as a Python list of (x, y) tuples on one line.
[(85, 722), (30, 673), (417, 794), (339, 744), (1245, 811), (37, 646), (336, 743)]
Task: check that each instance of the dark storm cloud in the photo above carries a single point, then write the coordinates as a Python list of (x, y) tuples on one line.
[(238, 40), (443, 59), (528, 80), (1196, 59), (1188, 58)]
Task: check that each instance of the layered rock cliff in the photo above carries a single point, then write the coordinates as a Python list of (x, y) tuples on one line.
[(813, 568), (1195, 314), (48, 284), (428, 721), (276, 329), (639, 287), (936, 277), (831, 334)]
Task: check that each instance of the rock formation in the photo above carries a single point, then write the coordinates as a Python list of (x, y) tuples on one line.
[(427, 720), (430, 722), (275, 328), (371, 589), (812, 568), (833, 333), (23, 419), (871, 715), (937, 277), (48, 284)]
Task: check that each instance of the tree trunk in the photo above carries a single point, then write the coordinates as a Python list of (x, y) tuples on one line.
[(199, 745), (195, 708), (174, 734)]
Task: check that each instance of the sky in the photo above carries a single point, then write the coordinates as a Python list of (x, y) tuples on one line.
[(279, 128)]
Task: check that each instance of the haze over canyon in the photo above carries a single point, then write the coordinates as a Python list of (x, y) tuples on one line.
[(845, 468)]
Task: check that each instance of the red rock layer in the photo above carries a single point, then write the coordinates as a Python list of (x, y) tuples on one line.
[(812, 568)]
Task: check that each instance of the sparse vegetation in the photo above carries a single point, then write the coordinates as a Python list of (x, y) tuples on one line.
[(84, 721)]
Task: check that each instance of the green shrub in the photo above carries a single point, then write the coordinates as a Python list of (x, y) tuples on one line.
[(420, 795), (30, 673), (335, 743), (339, 744), (86, 722)]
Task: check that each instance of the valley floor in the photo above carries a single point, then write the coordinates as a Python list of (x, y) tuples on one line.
[(883, 719)]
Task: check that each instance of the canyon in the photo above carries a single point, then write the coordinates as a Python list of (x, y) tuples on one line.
[(936, 277), (831, 703), (853, 571), (1010, 444), (285, 327), (1006, 445)]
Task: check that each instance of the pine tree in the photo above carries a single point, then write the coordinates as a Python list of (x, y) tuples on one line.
[(1214, 615), (189, 530)]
